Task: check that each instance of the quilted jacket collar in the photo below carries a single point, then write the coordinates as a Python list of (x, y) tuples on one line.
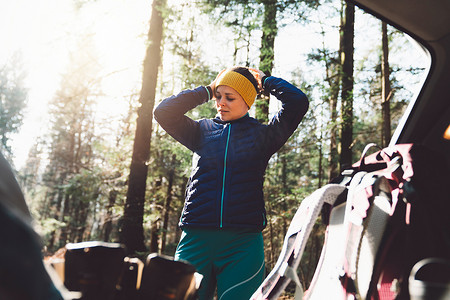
[(241, 119)]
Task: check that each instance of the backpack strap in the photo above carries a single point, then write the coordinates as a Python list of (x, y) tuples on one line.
[(294, 244)]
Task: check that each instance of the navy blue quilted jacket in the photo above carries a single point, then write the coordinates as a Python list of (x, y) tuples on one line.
[(225, 188)]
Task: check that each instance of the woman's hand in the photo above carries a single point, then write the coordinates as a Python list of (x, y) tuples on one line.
[(258, 74), (212, 85)]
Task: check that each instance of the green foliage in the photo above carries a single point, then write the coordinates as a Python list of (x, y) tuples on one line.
[(13, 99), (47, 227)]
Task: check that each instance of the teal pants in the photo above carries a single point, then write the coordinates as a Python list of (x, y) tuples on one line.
[(231, 260)]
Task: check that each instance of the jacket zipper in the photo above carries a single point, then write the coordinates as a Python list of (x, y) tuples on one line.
[(223, 180)]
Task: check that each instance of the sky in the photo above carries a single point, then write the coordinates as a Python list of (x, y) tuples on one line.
[(45, 32)]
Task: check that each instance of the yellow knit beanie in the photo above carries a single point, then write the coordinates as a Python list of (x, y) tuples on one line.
[(240, 83)]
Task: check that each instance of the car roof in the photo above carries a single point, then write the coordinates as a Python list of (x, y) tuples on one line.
[(428, 116), (428, 20)]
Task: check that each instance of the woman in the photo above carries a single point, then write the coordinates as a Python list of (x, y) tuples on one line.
[(224, 212)]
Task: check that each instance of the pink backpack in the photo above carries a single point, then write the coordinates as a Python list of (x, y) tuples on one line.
[(388, 233)]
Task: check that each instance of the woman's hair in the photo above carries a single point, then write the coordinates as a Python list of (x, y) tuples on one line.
[(245, 72)]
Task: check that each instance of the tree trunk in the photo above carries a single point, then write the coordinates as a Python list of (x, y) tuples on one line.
[(272, 254), (266, 58), (284, 184), (333, 170), (107, 226), (320, 175), (167, 203), (347, 36), (65, 232), (154, 236), (333, 70), (385, 89), (132, 234)]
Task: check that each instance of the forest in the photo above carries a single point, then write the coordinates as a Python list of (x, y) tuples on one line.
[(121, 178)]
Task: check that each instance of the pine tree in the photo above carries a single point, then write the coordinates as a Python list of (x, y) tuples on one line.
[(132, 234), (71, 155), (13, 99), (347, 48), (385, 88)]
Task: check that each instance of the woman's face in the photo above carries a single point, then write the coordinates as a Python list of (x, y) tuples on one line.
[(229, 104)]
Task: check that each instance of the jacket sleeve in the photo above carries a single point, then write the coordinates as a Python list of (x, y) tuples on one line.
[(294, 107), (170, 114)]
